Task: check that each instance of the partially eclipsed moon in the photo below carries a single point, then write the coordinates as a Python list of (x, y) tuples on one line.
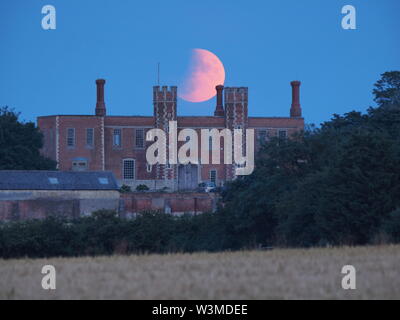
[(205, 72)]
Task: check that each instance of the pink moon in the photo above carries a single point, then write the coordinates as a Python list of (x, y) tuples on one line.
[(206, 71)]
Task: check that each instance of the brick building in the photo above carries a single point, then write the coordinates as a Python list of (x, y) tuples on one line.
[(39, 194), (101, 142)]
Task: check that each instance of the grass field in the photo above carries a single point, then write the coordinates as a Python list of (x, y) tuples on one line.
[(276, 274)]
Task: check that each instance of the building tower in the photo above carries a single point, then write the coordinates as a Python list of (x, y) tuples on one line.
[(236, 117), (165, 102)]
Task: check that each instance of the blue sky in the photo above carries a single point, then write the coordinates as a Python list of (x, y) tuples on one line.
[(262, 44)]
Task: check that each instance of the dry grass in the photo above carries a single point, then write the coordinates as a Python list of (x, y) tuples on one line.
[(277, 274)]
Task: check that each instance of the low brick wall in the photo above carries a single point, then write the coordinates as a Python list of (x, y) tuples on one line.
[(21, 205), (12, 210), (176, 203), (28, 204)]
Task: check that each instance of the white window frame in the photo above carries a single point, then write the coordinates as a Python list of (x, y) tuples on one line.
[(142, 145), (263, 133), (216, 175), (73, 137), (279, 134), (92, 137), (120, 138), (124, 169)]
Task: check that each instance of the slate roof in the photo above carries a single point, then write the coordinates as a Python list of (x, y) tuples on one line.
[(57, 180)]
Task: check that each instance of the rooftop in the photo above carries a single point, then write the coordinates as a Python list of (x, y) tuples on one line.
[(57, 180)]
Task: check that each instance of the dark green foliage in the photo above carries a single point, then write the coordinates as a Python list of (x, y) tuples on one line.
[(391, 226), (104, 233), (387, 91), (142, 188), (20, 143), (338, 184), (50, 237), (125, 189)]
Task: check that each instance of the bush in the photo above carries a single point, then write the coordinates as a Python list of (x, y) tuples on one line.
[(391, 227), (104, 233), (142, 188), (125, 189)]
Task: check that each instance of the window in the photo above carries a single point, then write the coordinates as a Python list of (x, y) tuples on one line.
[(213, 176), (71, 137), (139, 137), (262, 135), (149, 167), (103, 180), (282, 134), (53, 180), (79, 165), (128, 169), (89, 137), (117, 137)]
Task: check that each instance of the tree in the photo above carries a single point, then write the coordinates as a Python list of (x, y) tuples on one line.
[(20, 144), (387, 89), (337, 184)]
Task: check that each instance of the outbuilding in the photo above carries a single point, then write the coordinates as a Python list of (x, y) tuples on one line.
[(38, 194)]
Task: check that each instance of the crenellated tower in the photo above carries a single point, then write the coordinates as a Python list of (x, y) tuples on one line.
[(236, 116), (165, 110)]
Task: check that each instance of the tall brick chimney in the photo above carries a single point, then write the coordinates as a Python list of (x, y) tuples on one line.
[(100, 105), (295, 110), (219, 109)]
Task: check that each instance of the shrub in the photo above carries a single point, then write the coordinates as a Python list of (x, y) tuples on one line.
[(391, 227), (142, 188), (103, 233), (125, 189)]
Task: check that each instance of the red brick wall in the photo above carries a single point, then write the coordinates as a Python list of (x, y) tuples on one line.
[(165, 109), (38, 208), (93, 154), (47, 126), (132, 203), (177, 202), (114, 155), (297, 123)]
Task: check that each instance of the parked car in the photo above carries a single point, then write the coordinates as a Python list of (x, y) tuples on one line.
[(207, 186)]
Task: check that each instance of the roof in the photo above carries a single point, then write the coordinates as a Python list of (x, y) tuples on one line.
[(57, 180), (94, 116)]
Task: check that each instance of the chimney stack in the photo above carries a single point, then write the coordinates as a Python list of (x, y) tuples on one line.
[(295, 110), (100, 105), (219, 109)]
